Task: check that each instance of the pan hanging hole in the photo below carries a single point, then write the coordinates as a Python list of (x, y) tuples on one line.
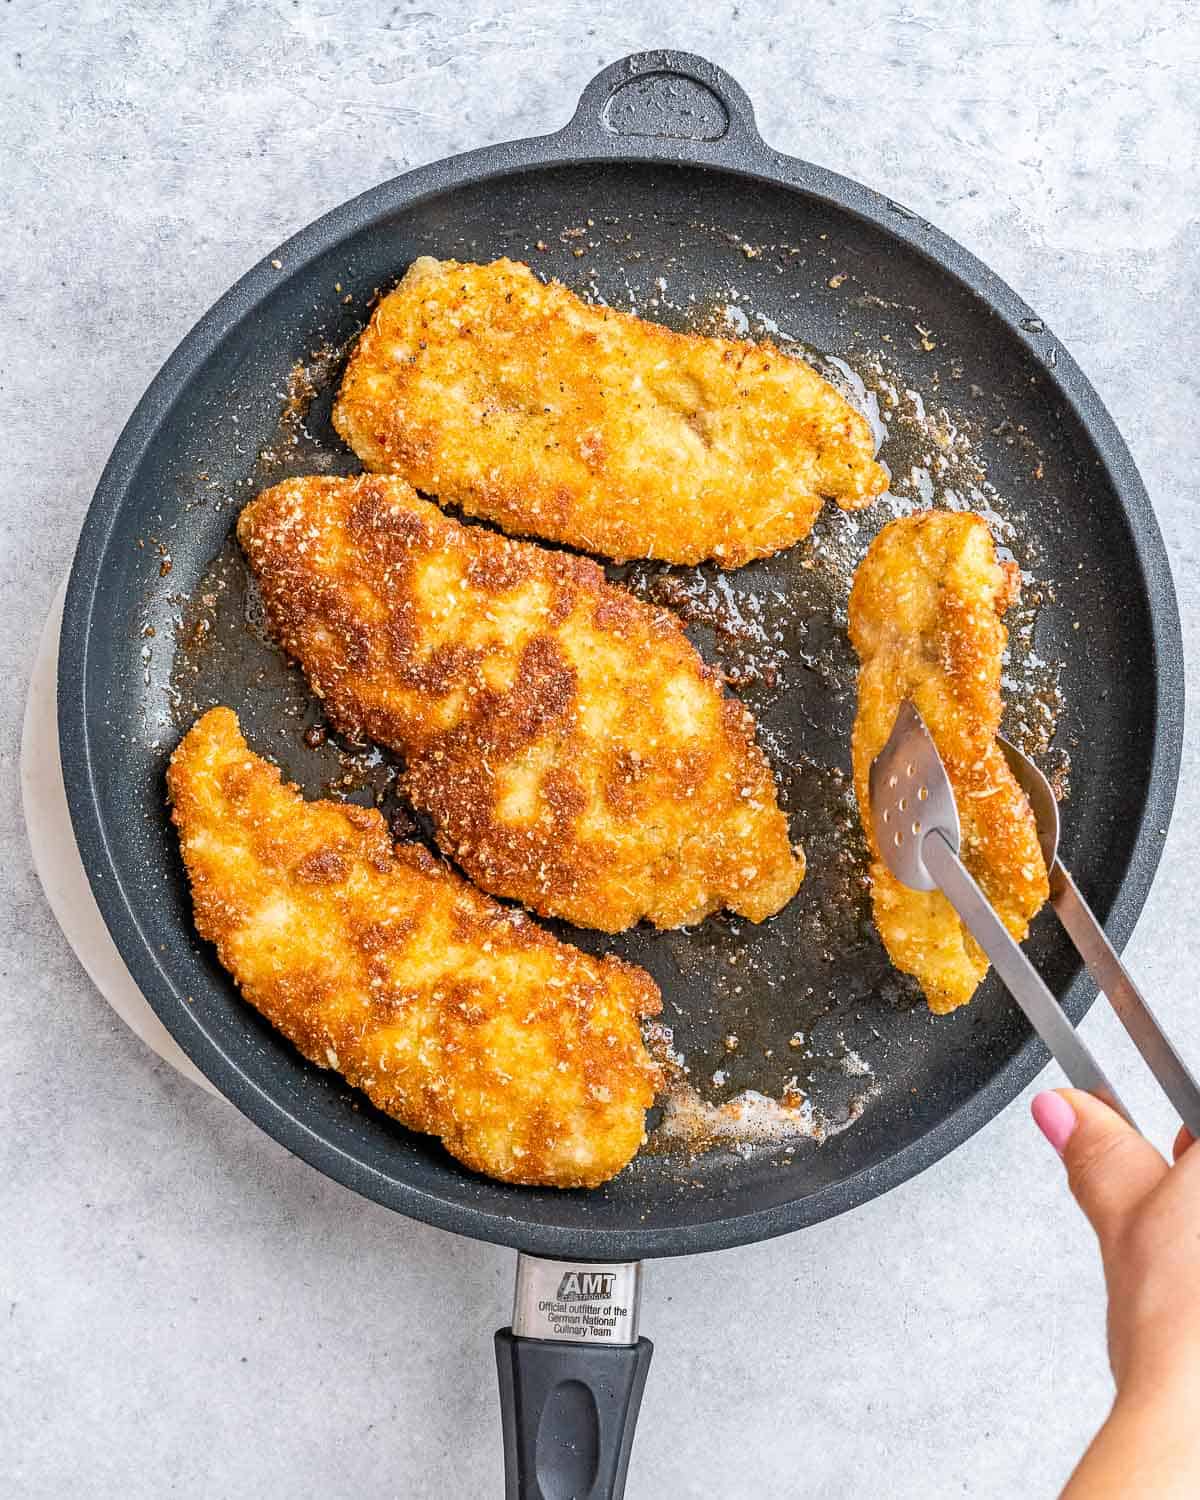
[(887, 815), (902, 804), (916, 828), (923, 794), (910, 769), (893, 781), (897, 838)]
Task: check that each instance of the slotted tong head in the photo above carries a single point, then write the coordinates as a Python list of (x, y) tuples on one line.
[(915, 818)]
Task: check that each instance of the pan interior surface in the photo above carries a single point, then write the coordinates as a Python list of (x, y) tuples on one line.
[(699, 248)]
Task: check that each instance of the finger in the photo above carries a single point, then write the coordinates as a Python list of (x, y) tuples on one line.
[(1110, 1167), (1183, 1140)]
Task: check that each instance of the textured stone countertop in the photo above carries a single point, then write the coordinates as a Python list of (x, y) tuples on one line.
[(186, 1309)]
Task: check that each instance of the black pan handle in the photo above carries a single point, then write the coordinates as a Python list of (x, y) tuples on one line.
[(572, 1370), (670, 104), (569, 1412)]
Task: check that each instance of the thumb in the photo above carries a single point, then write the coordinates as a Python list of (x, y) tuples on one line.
[(1110, 1167)]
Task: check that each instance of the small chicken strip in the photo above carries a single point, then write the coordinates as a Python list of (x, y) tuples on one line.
[(573, 750), (518, 402), (925, 619), (455, 1015)]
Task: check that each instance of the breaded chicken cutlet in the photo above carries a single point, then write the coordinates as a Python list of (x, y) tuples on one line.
[(571, 747), (518, 402), (926, 620), (456, 1016)]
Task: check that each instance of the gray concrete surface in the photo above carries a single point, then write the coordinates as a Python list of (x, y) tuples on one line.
[(185, 1309)]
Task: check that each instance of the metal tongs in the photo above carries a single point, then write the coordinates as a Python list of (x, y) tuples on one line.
[(917, 830)]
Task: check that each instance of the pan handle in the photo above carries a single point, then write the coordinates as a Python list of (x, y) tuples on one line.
[(570, 1393), (670, 104)]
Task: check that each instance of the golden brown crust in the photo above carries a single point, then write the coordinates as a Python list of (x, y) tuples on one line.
[(574, 751), (925, 619), (455, 1015), (516, 401)]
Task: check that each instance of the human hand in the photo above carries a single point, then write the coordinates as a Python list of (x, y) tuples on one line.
[(1147, 1218), (1146, 1215)]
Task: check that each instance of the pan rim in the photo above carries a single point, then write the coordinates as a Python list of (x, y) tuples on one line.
[(751, 161)]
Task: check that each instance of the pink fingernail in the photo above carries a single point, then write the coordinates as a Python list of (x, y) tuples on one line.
[(1055, 1118)]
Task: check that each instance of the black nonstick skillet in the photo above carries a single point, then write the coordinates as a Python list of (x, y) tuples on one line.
[(658, 195)]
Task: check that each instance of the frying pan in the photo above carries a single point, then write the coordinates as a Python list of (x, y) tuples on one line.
[(658, 195)]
